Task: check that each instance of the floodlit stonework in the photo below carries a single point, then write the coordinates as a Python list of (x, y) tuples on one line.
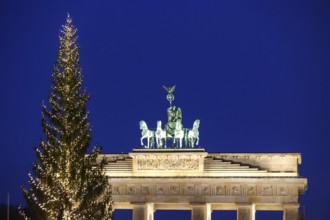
[(147, 180), (175, 175)]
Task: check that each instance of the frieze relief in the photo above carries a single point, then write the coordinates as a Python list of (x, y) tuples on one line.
[(207, 190), (266, 190), (283, 191), (168, 164), (146, 190), (221, 190), (251, 190), (131, 190), (189, 190), (236, 190), (160, 191), (115, 190)]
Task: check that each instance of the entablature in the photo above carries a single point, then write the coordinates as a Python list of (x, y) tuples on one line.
[(196, 162)]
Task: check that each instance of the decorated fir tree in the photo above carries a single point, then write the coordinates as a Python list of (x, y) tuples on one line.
[(65, 182)]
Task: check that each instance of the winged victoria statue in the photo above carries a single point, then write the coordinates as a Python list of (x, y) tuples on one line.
[(173, 131)]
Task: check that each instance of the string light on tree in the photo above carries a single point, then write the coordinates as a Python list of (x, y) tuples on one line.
[(65, 183)]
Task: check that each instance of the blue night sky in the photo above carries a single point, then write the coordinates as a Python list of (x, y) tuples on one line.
[(256, 73)]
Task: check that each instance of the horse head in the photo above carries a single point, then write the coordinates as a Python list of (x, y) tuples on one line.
[(159, 124), (143, 125), (196, 124)]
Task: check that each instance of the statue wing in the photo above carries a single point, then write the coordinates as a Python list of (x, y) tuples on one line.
[(171, 90), (167, 89)]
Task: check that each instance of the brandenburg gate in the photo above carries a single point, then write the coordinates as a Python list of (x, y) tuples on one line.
[(184, 176)]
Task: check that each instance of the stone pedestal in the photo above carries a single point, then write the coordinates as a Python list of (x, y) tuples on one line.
[(246, 212), (291, 212), (143, 211), (201, 212)]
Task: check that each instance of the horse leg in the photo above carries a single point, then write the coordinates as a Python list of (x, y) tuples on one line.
[(161, 143), (152, 142)]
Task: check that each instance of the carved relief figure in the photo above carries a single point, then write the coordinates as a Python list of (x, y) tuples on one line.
[(115, 190), (236, 190), (174, 190), (168, 164), (145, 190), (220, 190), (283, 191), (206, 190), (146, 133), (267, 191), (122, 190), (160, 191), (190, 190), (131, 190), (251, 190), (160, 135)]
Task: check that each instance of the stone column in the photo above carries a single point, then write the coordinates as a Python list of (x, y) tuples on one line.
[(143, 211), (150, 211), (246, 212), (201, 211), (291, 212)]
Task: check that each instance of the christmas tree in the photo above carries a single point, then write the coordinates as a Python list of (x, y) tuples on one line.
[(66, 183)]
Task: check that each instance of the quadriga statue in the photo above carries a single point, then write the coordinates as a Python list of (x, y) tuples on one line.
[(146, 133), (160, 135), (193, 134)]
